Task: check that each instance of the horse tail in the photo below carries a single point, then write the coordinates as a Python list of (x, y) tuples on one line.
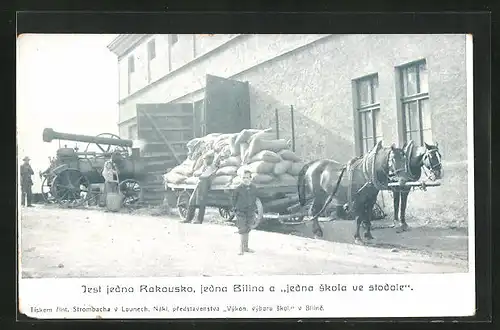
[(330, 198), (301, 184)]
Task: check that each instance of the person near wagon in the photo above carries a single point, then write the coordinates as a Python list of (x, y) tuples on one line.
[(199, 196), (111, 172), (243, 199), (26, 182)]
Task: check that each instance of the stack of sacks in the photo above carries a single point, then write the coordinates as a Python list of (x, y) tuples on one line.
[(227, 165), (180, 173), (269, 159), (189, 171)]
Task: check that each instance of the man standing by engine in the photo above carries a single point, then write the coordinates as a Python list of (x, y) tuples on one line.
[(198, 198), (111, 172), (26, 182)]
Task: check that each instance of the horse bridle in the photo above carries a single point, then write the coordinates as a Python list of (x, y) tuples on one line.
[(427, 161)]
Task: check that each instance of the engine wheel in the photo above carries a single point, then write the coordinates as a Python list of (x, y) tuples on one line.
[(70, 188)]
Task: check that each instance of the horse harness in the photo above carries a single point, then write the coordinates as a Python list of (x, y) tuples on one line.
[(369, 175)]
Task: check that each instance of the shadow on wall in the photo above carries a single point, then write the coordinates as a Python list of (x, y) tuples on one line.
[(313, 139), (444, 206)]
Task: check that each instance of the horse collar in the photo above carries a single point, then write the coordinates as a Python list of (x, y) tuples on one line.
[(408, 150)]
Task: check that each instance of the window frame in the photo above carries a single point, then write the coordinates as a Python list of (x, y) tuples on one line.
[(417, 98), (361, 110)]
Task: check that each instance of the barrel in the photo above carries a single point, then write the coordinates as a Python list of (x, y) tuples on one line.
[(114, 201)]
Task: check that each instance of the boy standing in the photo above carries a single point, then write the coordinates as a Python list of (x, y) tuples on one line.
[(244, 198)]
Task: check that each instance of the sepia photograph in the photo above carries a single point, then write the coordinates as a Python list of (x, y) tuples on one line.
[(188, 157)]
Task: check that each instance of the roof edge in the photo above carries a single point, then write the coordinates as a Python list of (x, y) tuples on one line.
[(123, 43)]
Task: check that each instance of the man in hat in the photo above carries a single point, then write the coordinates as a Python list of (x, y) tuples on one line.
[(198, 198), (26, 182), (110, 173)]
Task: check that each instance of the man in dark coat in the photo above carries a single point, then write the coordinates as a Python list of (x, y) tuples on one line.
[(244, 204), (26, 182), (198, 199)]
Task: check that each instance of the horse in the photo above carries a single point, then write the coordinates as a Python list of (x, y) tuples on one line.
[(426, 157), (367, 176)]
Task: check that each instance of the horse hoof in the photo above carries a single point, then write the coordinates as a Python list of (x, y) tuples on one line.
[(402, 229), (358, 241), (368, 237)]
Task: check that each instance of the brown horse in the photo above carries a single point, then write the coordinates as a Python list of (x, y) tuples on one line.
[(367, 175), (426, 157)]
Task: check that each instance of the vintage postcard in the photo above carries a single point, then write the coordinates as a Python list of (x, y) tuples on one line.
[(245, 175)]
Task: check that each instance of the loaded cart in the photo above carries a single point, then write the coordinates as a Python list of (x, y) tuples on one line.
[(273, 200)]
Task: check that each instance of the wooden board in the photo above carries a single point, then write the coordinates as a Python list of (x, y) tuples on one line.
[(271, 189), (415, 184)]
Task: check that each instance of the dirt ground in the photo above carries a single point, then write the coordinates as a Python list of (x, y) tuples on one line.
[(92, 243)]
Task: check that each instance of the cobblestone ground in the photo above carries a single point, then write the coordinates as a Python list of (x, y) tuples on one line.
[(92, 243)]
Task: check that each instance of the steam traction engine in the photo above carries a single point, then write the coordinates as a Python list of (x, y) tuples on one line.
[(74, 178)]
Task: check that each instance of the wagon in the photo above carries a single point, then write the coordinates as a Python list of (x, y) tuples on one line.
[(272, 200)]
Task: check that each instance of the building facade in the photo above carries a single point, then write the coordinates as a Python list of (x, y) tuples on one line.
[(347, 92)]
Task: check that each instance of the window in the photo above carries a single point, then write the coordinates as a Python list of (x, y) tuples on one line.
[(151, 56), (132, 132), (131, 69), (151, 50), (172, 39), (131, 65), (368, 112), (415, 103)]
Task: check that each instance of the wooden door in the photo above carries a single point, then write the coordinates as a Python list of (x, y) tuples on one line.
[(165, 128), (226, 106)]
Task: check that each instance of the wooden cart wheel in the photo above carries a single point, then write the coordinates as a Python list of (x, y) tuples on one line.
[(183, 203), (131, 190), (259, 214), (226, 213), (70, 188)]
